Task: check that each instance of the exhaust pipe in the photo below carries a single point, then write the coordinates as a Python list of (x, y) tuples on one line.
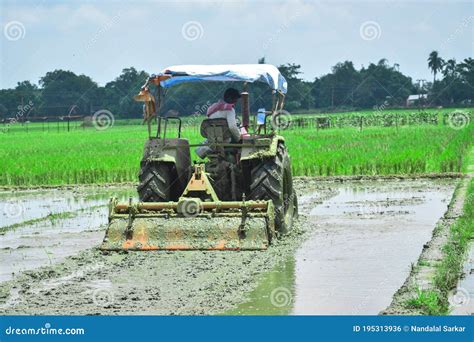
[(245, 107)]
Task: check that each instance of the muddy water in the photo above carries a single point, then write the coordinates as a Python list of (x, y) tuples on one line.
[(43, 227), (350, 251), (359, 253)]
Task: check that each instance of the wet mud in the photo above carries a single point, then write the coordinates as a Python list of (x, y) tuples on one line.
[(349, 252)]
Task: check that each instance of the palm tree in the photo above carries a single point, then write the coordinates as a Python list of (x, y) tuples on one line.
[(435, 63), (466, 69), (450, 68)]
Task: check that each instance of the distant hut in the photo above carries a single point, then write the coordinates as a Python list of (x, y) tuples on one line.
[(413, 100)]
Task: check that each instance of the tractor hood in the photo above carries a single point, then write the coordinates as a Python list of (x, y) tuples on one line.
[(265, 73)]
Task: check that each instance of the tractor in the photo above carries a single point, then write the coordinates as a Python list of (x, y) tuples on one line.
[(239, 197)]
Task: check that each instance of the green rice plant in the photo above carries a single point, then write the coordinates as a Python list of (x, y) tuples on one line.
[(113, 155)]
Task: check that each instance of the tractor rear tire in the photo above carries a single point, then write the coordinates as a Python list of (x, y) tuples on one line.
[(271, 179), (155, 182)]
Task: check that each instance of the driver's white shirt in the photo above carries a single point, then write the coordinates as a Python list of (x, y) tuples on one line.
[(231, 122)]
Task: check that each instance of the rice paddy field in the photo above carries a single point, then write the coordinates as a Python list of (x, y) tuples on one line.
[(40, 156)]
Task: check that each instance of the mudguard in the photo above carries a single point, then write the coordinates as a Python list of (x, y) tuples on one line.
[(170, 150), (262, 148)]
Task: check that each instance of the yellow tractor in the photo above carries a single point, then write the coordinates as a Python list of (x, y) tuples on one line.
[(239, 198)]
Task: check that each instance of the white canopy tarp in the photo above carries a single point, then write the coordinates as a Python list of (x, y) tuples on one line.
[(265, 73)]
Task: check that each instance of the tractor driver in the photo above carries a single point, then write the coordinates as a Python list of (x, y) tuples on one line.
[(223, 109)]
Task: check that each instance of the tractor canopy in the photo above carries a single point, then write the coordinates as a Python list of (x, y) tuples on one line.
[(265, 73)]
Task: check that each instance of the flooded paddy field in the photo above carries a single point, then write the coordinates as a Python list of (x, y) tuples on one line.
[(351, 249)]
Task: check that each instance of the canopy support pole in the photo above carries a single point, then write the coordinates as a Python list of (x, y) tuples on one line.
[(245, 106)]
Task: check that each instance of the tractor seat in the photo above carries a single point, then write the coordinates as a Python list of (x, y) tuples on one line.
[(216, 131)]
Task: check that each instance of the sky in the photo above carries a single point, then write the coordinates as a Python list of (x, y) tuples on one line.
[(100, 38)]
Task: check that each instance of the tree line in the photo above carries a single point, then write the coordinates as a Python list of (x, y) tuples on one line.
[(379, 85)]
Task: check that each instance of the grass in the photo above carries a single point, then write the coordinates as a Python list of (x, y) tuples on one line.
[(113, 155), (428, 302), (461, 233), (448, 271)]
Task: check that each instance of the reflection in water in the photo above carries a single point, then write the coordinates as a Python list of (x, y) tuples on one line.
[(274, 295)]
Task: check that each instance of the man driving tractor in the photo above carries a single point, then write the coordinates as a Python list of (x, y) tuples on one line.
[(224, 109)]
